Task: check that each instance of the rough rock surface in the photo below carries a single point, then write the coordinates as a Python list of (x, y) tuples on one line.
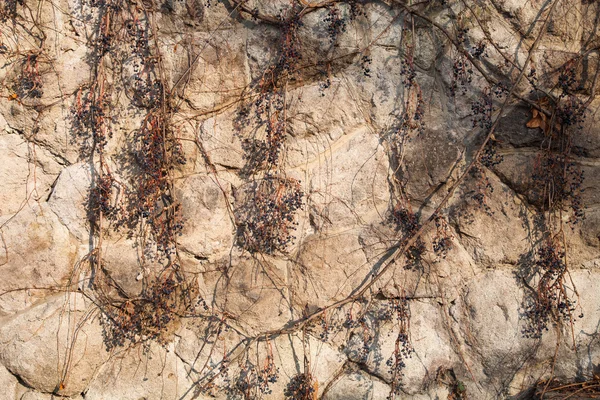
[(369, 113)]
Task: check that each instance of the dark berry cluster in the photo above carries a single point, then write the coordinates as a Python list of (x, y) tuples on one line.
[(268, 126), (91, 111), (350, 321), (301, 387), (558, 184), (550, 303), (365, 63), (557, 179), (100, 198), (269, 373), (442, 243), (29, 84), (461, 35), (407, 222), (325, 328), (403, 348), (441, 246), (550, 259), (269, 106), (571, 112), (336, 23), (105, 32), (499, 89), (257, 155), (478, 50), (157, 152), (245, 382), (289, 55), (253, 383), (414, 255), (157, 149), (265, 218), (139, 33), (224, 366), (404, 220), (145, 318), (328, 326), (567, 77), (8, 9), (28, 87), (90, 116), (357, 8), (418, 121), (532, 77), (481, 110), (395, 309), (200, 304), (462, 75), (396, 363), (367, 337), (106, 4), (147, 90), (324, 85), (407, 65), (489, 157), (104, 40)]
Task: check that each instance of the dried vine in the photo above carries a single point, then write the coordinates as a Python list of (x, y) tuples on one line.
[(142, 202)]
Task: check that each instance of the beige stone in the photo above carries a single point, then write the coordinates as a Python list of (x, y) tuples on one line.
[(55, 346), (38, 255)]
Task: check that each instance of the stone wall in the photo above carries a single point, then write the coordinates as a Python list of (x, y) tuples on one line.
[(288, 199)]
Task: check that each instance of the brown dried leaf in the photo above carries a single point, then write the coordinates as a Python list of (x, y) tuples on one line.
[(539, 119), (534, 123)]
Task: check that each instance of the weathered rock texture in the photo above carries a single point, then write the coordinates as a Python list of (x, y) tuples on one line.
[(355, 119)]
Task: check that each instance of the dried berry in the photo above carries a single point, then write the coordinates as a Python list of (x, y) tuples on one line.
[(266, 215)]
